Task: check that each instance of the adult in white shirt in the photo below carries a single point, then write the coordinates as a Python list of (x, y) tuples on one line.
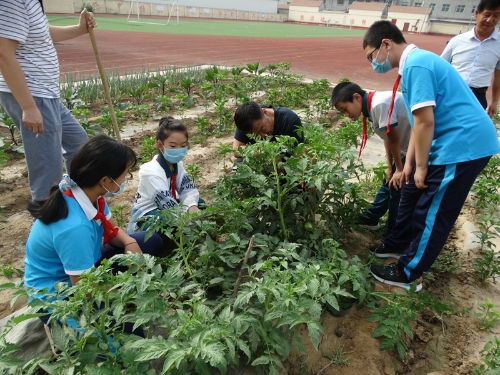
[(476, 54), (29, 90)]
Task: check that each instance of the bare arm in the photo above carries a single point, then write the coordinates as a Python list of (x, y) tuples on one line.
[(237, 144), (122, 239), (492, 109), (423, 134), (16, 81), (394, 145), (410, 160), (61, 33)]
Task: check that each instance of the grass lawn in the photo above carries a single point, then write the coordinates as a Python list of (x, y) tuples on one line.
[(213, 27)]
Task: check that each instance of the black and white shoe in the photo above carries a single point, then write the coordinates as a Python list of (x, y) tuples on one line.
[(394, 274), (381, 251), (366, 223)]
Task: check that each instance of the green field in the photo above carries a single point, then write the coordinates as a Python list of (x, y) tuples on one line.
[(214, 27)]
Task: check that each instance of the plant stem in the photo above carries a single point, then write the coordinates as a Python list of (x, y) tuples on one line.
[(280, 197), (240, 274)]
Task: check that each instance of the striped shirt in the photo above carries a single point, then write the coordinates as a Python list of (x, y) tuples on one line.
[(25, 22), (476, 61)]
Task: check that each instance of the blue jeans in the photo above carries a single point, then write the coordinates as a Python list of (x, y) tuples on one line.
[(62, 136), (387, 199)]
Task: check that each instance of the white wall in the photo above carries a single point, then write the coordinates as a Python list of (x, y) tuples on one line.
[(402, 18), (448, 28), (262, 6), (58, 6), (364, 18)]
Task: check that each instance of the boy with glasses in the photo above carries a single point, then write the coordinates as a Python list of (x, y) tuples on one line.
[(453, 139)]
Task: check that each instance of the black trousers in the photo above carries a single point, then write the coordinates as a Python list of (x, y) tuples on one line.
[(480, 94)]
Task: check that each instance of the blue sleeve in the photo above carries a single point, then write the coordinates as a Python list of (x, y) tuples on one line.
[(420, 86), (75, 247)]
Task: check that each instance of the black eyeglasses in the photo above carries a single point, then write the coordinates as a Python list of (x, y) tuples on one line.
[(370, 55)]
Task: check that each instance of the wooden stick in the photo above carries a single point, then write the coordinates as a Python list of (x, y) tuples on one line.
[(51, 342), (240, 274), (104, 83)]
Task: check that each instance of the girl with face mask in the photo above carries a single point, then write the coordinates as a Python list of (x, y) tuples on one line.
[(164, 183), (73, 230)]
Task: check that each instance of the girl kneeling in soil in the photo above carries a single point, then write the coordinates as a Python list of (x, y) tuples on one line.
[(74, 231), (163, 182)]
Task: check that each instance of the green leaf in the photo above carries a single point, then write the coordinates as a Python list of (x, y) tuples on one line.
[(152, 351), (262, 360), (60, 339), (175, 357), (96, 370)]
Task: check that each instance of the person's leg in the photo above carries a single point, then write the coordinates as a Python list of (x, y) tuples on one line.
[(153, 246), (379, 206), (73, 135), (402, 233), (43, 153), (394, 199), (481, 97), (437, 211)]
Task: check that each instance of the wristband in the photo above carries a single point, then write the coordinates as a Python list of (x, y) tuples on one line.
[(130, 243)]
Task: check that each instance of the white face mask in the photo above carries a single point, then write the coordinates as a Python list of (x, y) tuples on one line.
[(383, 67), (121, 187)]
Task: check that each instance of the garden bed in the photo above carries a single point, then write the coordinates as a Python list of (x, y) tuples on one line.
[(445, 333)]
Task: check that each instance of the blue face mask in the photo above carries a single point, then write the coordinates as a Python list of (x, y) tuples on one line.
[(381, 68), (121, 187), (174, 155)]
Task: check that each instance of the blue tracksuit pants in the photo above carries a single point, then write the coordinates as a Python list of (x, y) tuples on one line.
[(426, 216)]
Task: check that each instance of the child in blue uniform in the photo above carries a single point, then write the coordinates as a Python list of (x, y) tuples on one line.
[(73, 230), (453, 140)]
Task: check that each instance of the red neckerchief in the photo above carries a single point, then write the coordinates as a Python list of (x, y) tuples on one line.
[(364, 137), (110, 231), (391, 106), (173, 178)]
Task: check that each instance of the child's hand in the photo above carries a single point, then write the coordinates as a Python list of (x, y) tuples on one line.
[(193, 209), (397, 180)]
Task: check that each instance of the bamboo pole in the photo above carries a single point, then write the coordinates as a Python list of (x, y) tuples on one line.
[(104, 84)]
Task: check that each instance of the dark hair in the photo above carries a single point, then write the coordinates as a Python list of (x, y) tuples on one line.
[(246, 114), (487, 4), (169, 125), (344, 92), (382, 30), (101, 156)]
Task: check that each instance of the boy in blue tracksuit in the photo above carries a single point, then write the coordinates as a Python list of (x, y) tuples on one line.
[(453, 140)]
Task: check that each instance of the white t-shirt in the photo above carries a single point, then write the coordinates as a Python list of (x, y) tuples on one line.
[(25, 22), (378, 116)]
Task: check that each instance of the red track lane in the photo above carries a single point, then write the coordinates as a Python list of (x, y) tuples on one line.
[(331, 58)]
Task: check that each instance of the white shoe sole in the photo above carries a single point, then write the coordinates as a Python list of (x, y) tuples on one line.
[(370, 227), (387, 255), (401, 285)]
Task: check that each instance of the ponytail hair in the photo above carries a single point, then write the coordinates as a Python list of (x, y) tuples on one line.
[(169, 125), (49, 210), (101, 156)]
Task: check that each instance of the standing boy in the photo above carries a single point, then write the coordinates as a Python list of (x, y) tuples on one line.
[(353, 101), (453, 139)]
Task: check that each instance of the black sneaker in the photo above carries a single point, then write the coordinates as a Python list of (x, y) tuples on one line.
[(393, 274), (366, 223), (381, 251)]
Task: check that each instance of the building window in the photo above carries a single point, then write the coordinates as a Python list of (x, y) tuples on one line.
[(340, 2), (351, 1), (445, 8), (404, 3), (417, 4), (473, 9), (432, 6), (459, 8)]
